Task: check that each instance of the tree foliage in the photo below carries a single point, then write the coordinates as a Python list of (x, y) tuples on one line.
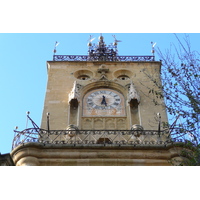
[(180, 87), (180, 76)]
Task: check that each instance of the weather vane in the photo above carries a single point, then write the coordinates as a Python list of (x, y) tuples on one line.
[(153, 45), (90, 40), (56, 44), (116, 39)]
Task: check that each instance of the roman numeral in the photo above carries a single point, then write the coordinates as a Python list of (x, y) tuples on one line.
[(90, 103)]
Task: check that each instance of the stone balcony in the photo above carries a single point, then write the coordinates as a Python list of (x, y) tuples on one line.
[(92, 137)]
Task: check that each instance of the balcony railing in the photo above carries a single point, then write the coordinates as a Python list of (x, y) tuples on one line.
[(102, 58), (92, 137)]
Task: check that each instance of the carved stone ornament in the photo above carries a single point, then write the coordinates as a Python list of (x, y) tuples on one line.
[(71, 129), (75, 94), (132, 94), (103, 78), (103, 70), (137, 127)]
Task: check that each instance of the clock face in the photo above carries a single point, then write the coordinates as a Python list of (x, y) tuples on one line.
[(103, 102)]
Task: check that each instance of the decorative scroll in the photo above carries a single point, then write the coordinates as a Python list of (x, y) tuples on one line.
[(103, 58), (135, 58), (70, 58), (119, 137)]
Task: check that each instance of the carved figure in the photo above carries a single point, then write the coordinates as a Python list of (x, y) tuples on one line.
[(75, 94), (132, 94)]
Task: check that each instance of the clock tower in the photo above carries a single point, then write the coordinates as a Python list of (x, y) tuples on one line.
[(98, 111), (101, 92)]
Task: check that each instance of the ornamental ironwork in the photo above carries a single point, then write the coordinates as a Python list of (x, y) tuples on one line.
[(106, 58), (101, 52), (92, 137)]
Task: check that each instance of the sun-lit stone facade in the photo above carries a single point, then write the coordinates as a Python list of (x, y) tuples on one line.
[(96, 103)]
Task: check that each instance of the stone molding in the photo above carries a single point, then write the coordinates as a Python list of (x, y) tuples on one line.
[(37, 154)]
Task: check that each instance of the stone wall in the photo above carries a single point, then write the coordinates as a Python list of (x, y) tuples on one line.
[(35, 154), (94, 75)]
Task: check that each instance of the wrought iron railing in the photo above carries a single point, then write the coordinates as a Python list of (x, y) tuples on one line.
[(92, 137), (102, 58)]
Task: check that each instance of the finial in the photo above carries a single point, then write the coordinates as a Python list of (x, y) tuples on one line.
[(56, 44), (115, 40), (101, 37), (153, 45), (101, 51), (90, 40), (48, 125)]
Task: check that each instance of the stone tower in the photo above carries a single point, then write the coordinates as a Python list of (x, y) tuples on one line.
[(98, 111), (76, 88)]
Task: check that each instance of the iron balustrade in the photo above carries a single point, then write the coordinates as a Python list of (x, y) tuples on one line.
[(91, 137), (100, 58)]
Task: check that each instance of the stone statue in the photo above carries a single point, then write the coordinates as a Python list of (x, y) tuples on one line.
[(75, 94), (132, 94)]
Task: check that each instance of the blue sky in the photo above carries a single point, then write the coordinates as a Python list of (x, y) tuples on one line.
[(24, 75)]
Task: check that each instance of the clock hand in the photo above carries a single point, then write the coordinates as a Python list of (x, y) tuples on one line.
[(104, 100)]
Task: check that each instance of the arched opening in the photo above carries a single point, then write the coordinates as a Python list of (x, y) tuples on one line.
[(134, 111), (83, 77), (73, 111), (83, 74), (123, 77)]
